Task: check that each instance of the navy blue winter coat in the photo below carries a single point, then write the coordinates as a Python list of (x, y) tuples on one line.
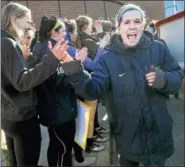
[(138, 113)]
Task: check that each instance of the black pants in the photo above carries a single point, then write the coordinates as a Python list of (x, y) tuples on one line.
[(23, 141), (61, 143), (78, 153), (96, 121)]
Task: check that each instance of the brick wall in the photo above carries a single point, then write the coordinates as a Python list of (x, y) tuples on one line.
[(95, 9)]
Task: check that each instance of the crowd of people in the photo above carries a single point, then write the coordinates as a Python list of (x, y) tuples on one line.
[(123, 64)]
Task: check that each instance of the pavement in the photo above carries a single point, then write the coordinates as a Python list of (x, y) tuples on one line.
[(176, 110)]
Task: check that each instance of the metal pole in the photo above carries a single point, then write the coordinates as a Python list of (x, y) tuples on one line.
[(26, 3), (174, 7), (85, 7), (105, 9), (60, 14)]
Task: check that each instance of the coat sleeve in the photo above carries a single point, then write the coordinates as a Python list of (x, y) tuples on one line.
[(14, 67), (172, 73), (89, 64), (92, 47), (92, 86)]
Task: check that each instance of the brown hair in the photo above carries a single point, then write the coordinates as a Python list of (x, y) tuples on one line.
[(82, 21), (70, 25)]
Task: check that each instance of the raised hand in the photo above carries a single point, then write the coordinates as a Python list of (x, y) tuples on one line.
[(104, 41), (26, 52), (98, 26), (82, 54), (59, 50)]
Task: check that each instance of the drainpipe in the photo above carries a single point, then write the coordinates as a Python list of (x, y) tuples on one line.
[(105, 9), (60, 14), (85, 7), (27, 3), (174, 7)]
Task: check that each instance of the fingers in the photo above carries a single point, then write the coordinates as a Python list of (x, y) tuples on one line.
[(64, 47), (49, 45), (67, 57), (150, 77), (150, 74), (64, 44), (60, 42)]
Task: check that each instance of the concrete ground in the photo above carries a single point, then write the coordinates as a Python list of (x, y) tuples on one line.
[(176, 110)]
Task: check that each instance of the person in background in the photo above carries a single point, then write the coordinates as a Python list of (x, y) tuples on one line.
[(57, 102), (134, 74), (153, 29), (19, 117), (25, 45), (84, 39), (26, 41), (89, 64), (34, 40), (101, 27), (71, 35)]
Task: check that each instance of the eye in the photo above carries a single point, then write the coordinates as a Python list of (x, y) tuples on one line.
[(126, 22), (138, 21)]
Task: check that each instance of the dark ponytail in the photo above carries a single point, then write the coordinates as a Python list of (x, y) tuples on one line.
[(46, 26)]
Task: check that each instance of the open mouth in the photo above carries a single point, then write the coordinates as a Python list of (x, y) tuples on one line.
[(132, 37)]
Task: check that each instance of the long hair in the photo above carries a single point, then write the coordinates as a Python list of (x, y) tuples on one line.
[(13, 9)]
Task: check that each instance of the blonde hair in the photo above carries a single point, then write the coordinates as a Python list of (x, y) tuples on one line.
[(12, 9)]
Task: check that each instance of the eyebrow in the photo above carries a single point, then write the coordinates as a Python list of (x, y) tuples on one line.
[(135, 19)]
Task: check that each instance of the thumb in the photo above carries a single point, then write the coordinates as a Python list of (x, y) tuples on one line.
[(49, 45)]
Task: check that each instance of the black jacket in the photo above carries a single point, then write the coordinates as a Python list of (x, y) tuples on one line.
[(91, 43), (56, 98), (17, 81)]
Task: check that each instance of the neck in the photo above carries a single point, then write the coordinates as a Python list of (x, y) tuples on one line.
[(87, 33)]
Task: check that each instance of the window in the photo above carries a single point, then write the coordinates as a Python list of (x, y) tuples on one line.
[(172, 7)]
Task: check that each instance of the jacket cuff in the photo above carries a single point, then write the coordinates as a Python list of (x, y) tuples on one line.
[(78, 77), (51, 59), (71, 68), (160, 80)]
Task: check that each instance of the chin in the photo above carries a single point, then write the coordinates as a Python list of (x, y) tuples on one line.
[(131, 45)]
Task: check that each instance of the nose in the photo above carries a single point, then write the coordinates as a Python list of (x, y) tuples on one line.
[(132, 25)]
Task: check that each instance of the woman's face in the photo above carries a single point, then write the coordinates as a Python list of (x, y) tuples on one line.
[(57, 35), (88, 28), (20, 25), (131, 28)]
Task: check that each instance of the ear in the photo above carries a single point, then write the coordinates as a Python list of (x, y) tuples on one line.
[(53, 33), (13, 18)]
